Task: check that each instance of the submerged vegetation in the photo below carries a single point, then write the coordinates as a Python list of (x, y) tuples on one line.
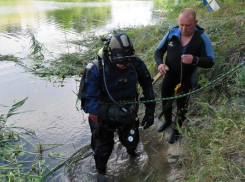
[(17, 163), (20, 159), (215, 133), (68, 64)]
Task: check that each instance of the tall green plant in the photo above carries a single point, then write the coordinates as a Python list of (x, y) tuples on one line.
[(36, 47), (17, 163)]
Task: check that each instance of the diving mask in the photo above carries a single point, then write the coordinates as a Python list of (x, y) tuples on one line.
[(125, 60)]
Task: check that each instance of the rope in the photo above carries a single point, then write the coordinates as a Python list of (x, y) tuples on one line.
[(189, 93)]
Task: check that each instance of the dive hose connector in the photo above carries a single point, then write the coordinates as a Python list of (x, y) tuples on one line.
[(106, 40), (125, 110)]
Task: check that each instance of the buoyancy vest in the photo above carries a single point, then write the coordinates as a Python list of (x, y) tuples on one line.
[(86, 74)]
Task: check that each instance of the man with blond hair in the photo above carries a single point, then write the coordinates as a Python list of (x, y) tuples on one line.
[(188, 48)]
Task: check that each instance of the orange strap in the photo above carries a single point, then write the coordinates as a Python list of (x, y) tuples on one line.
[(176, 89), (93, 118)]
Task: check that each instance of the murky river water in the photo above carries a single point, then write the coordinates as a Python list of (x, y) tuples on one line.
[(53, 114)]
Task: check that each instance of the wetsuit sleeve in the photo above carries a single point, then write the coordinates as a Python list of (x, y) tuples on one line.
[(207, 54), (91, 91), (160, 50), (145, 82)]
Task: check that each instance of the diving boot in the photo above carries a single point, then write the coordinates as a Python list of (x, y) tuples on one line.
[(102, 178), (164, 125), (174, 136)]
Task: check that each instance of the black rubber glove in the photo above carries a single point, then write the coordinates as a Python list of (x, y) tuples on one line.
[(116, 114), (148, 119)]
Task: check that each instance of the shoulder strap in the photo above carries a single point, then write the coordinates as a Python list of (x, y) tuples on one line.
[(98, 64), (137, 67)]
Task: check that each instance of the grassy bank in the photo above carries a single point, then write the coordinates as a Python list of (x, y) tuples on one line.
[(215, 133)]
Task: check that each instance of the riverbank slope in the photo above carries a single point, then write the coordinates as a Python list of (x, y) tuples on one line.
[(212, 144)]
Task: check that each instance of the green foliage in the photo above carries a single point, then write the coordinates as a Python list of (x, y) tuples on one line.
[(215, 150), (36, 47), (15, 106), (12, 167), (239, 79), (17, 163), (146, 178), (8, 58), (172, 8)]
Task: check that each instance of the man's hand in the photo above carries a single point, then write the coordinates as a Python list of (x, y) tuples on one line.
[(187, 58), (163, 68)]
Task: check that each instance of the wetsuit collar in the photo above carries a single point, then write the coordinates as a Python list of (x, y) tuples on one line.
[(176, 32)]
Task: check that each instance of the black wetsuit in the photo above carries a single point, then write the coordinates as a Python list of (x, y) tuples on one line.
[(200, 47)]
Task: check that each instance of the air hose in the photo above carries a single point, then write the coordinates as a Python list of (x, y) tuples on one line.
[(103, 68)]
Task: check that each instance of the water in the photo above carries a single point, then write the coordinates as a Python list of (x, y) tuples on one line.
[(55, 24), (53, 112)]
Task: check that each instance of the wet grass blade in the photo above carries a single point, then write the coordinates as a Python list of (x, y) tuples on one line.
[(17, 105), (146, 178), (14, 113), (14, 107)]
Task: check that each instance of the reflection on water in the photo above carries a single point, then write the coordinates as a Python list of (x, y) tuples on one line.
[(80, 19), (55, 23)]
